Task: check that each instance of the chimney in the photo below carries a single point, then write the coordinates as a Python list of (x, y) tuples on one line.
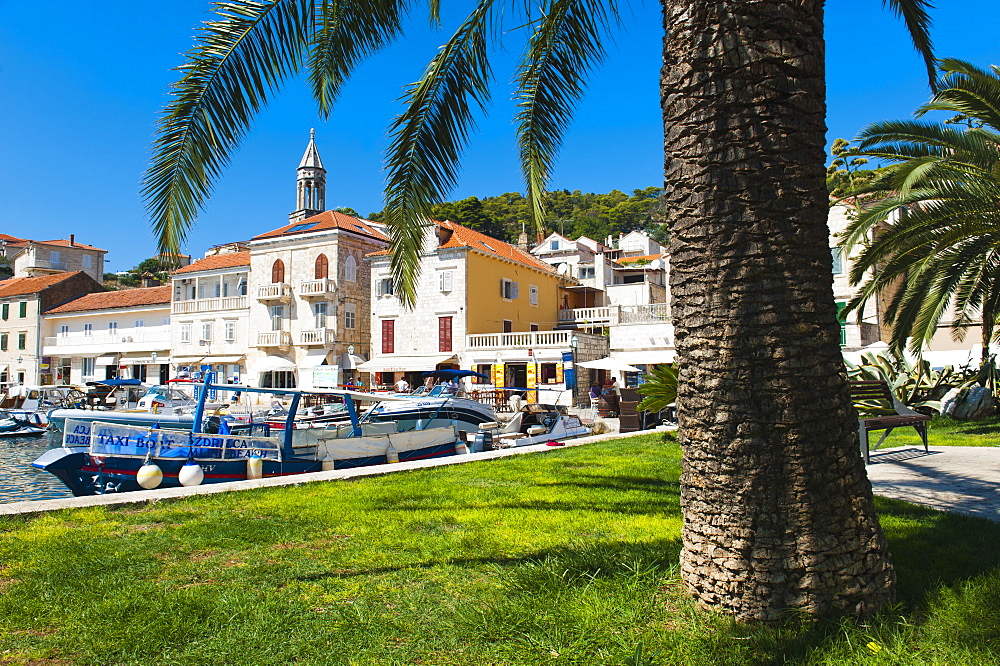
[(72, 238)]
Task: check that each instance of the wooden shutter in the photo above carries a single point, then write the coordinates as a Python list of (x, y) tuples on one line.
[(444, 334), (388, 336)]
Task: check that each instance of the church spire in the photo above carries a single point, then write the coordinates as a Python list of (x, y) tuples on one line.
[(310, 194)]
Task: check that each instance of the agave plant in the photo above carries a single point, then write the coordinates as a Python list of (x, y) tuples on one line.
[(913, 383)]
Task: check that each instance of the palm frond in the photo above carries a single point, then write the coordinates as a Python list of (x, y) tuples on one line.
[(918, 21), (239, 61), (564, 46), (428, 138)]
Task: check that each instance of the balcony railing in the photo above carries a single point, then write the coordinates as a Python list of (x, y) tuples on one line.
[(274, 339), (615, 315), (274, 292), (103, 339), (531, 339), (319, 337), (50, 265), (317, 288), (209, 305)]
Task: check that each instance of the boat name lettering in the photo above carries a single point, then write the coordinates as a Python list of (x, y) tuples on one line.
[(77, 440)]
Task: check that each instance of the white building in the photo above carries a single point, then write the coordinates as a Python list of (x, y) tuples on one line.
[(110, 334), (209, 317)]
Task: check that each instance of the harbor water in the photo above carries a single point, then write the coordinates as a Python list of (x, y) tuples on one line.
[(19, 481)]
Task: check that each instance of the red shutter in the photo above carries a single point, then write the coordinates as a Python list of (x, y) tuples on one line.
[(388, 336), (444, 334)]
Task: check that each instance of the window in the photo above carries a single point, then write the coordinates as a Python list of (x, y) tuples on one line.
[(586, 272), (3, 342), (112, 330), (532, 327), (445, 280), (302, 227), (508, 289), (350, 315), (64, 331), (508, 326), (277, 379), (24, 309), (230, 330), (206, 331), (140, 326), (166, 322), (186, 333), (533, 295), (22, 339), (350, 269), (554, 245), (242, 286), (384, 287), (6, 311), (838, 260), (319, 314), (547, 374), (322, 267), (841, 306), (277, 271), (55, 257), (388, 336), (89, 367), (88, 330), (277, 317), (483, 369), (444, 334), (86, 261)]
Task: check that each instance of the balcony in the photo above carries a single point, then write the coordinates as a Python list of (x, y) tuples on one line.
[(274, 339), (526, 340), (319, 337), (274, 292), (322, 288), (209, 305), (41, 264), (79, 343), (615, 315)]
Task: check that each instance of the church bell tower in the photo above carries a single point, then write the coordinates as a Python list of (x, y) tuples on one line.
[(310, 193)]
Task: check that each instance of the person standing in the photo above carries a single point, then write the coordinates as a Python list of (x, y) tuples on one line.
[(402, 386)]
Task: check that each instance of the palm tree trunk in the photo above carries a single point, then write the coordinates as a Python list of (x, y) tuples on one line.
[(777, 507)]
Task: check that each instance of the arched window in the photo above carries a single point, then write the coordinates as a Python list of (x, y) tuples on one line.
[(350, 269), (277, 271), (322, 267)]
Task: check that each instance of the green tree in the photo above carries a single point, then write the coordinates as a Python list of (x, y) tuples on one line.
[(944, 249), (777, 507)]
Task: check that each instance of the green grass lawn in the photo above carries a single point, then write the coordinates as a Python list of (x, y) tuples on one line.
[(945, 431), (567, 557)]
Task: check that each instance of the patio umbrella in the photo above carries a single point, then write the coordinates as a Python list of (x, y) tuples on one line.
[(609, 363), (448, 373)]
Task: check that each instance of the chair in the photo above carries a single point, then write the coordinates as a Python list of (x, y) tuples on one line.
[(876, 390)]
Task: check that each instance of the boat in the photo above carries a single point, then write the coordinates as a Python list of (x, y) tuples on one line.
[(31, 402), (168, 405), (440, 406), (18, 426), (100, 457), (532, 424)]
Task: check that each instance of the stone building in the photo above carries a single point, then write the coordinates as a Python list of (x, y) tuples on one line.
[(30, 258)]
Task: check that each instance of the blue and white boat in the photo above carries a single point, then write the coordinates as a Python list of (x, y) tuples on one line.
[(99, 457)]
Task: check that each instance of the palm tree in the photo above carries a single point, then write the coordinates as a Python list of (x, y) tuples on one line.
[(777, 508), (945, 249)]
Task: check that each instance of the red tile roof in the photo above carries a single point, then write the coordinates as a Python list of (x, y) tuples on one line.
[(225, 260), (466, 237), (331, 219), (126, 298), (11, 239), (59, 242), (32, 285)]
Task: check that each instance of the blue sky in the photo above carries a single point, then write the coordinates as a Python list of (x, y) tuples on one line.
[(81, 85)]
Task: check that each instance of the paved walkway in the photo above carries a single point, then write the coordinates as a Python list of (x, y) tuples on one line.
[(961, 479)]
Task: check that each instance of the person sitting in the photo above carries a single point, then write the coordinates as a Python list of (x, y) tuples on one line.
[(595, 392)]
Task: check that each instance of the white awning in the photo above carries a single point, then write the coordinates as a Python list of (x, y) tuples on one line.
[(351, 361), (276, 363), (313, 358), (106, 360), (223, 359), (187, 360), (648, 357), (608, 363), (403, 363), (128, 359)]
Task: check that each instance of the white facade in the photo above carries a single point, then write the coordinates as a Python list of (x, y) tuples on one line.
[(132, 342), (209, 319)]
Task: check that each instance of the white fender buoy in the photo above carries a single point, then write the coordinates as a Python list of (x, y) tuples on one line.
[(391, 455), (328, 463), (255, 467), (149, 476), (191, 474)]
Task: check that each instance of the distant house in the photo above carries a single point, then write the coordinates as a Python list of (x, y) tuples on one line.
[(23, 302), (31, 258)]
